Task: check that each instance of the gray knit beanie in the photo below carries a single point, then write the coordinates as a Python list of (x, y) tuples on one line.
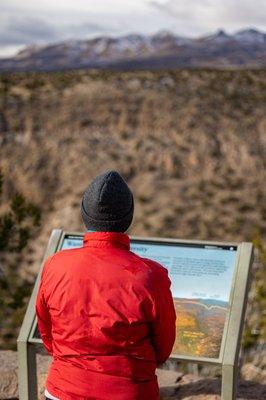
[(107, 204)]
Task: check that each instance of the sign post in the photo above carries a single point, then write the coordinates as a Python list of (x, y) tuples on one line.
[(210, 281)]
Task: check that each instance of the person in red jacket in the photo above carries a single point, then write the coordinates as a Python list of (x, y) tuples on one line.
[(105, 314)]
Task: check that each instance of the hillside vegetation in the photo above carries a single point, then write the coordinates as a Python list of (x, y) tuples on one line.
[(191, 144)]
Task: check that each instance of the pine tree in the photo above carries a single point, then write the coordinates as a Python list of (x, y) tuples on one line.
[(18, 223)]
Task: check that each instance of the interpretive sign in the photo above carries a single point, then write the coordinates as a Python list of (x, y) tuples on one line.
[(209, 288)]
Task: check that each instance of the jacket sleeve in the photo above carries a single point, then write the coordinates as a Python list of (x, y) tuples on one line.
[(43, 316), (163, 328)]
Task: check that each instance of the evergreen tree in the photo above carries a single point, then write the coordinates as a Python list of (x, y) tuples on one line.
[(18, 223)]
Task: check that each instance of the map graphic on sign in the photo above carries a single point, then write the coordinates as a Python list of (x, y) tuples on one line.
[(201, 277)]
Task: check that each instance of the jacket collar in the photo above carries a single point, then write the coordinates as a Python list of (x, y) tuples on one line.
[(106, 239)]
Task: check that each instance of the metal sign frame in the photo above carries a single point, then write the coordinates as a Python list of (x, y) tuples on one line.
[(229, 351)]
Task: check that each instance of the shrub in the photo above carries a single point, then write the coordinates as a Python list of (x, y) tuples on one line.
[(17, 225)]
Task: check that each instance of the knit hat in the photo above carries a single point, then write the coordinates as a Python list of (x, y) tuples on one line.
[(107, 204)]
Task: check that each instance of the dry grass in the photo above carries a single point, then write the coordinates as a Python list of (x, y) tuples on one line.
[(190, 143)]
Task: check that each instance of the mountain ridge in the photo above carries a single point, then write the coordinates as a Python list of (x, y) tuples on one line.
[(164, 49)]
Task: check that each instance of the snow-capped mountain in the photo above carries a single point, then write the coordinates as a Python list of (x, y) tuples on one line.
[(250, 36), (162, 50), (219, 37)]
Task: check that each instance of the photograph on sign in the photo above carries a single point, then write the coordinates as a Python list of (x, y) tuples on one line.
[(201, 277)]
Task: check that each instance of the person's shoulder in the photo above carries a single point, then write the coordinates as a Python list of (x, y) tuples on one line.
[(151, 266), (155, 266), (68, 252), (157, 274), (59, 256)]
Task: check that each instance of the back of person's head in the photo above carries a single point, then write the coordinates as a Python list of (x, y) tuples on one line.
[(107, 204)]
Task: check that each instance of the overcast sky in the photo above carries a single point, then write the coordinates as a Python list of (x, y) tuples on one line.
[(25, 22)]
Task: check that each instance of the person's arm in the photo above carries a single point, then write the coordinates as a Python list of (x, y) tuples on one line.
[(43, 317), (163, 328)]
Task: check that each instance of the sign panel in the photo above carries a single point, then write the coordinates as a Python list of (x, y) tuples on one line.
[(209, 285), (201, 277)]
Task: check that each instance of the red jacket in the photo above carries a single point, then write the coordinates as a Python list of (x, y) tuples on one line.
[(107, 317)]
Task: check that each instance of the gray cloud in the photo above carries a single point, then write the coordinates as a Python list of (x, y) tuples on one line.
[(87, 28), (245, 12), (25, 30), (19, 27), (206, 15)]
